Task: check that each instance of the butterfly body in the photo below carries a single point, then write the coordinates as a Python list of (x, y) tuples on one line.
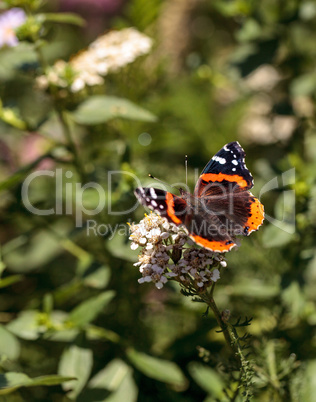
[(221, 206)]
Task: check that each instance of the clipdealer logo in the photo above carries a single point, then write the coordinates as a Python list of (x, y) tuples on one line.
[(69, 199), (69, 195)]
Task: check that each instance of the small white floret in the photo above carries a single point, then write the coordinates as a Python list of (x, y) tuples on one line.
[(215, 275)]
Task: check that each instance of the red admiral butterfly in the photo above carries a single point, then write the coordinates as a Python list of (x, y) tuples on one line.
[(221, 206)]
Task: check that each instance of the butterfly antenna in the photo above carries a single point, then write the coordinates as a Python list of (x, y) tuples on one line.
[(163, 182), (186, 170)]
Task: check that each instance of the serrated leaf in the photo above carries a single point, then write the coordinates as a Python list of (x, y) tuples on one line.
[(100, 109), (158, 369), (75, 362), (11, 381), (88, 310), (207, 378)]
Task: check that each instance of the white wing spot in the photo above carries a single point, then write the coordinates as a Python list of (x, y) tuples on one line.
[(234, 162), (161, 206), (220, 160), (147, 199), (225, 148), (154, 203), (153, 193), (234, 169), (235, 156)]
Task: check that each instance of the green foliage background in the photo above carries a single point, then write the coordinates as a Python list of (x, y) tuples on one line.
[(71, 306)]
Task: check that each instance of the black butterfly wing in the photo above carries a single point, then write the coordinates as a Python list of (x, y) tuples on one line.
[(164, 203), (223, 188)]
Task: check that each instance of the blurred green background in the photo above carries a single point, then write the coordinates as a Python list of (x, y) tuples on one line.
[(219, 71)]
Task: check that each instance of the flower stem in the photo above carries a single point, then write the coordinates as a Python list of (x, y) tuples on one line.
[(72, 146), (62, 118), (209, 300)]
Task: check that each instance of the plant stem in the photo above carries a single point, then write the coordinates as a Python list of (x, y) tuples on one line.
[(41, 59), (77, 160), (63, 120), (209, 300)]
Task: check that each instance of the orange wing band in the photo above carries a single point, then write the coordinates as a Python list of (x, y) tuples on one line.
[(242, 183), (217, 246), (257, 216), (170, 209)]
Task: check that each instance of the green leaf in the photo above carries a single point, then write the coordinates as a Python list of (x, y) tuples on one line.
[(13, 57), (36, 250), (10, 280), (276, 237), (303, 85), (100, 109), (98, 279), (9, 345), (113, 383), (63, 18), (111, 376), (251, 30), (207, 378), (294, 299), (25, 326), (62, 336), (120, 248), (11, 381), (20, 174), (254, 288), (90, 309), (34, 108), (127, 391), (158, 369), (309, 384), (75, 362), (117, 377), (94, 333)]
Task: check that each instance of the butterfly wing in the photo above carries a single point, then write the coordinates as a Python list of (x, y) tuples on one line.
[(223, 189), (227, 166), (222, 205), (164, 203), (203, 229), (207, 230)]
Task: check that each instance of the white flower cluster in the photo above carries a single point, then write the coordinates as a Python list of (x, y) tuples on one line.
[(163, 255), (195, 266), (106, 54)]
